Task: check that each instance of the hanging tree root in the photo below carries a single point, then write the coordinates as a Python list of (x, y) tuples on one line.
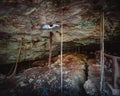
[(17, 60), (50, 51), (102, 51)]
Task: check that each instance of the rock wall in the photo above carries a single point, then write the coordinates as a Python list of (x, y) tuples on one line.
[(23, 23)]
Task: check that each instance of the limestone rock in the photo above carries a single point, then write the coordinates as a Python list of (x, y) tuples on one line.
[(36, 80), (90, 87), (23, 23)]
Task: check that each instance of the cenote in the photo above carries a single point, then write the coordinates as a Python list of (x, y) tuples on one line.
[(59, 48)]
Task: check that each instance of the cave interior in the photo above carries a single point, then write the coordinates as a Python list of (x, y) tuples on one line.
[(59, 48)]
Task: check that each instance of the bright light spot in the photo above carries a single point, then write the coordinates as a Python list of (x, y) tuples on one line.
[(47, 27)]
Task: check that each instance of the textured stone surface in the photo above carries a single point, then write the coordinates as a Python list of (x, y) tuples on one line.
[(23, 22), (38, 81)]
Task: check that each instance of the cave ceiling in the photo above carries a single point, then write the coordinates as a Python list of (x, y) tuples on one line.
[(80, 20)]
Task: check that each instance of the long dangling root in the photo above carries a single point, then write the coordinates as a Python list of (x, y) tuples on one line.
[(50, 51), (102, 51), (17, 60), (61, 52)]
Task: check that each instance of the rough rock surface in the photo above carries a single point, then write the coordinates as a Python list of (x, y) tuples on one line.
[(90, 88), (23, 23), (92, 85), (42, 81)]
